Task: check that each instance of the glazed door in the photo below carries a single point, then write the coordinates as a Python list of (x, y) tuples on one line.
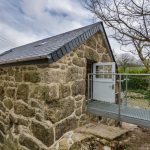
[(103, 82)]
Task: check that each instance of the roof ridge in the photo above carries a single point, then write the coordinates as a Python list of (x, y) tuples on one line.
[(10, 50), (83, 32), (80, 38)]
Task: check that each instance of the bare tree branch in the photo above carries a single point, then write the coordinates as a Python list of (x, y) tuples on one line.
[(130, 21)]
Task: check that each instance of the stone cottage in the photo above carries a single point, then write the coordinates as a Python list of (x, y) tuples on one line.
[(43, 87)]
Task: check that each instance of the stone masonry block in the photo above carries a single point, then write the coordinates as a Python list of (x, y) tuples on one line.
[(8, 103), (33, 77), (23, 92), (1, 137), (21, 108), (42, 92), (65, 126), (30, 142), (91, 55), (72, 74), (10, 93), (18, 76), (62, 109), (64, 90), (43, 132), (2, 107), (54, 76), (1, 93), (79, 62), (78, 88)]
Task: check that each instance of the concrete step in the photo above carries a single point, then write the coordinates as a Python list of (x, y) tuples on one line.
[(103, 131)]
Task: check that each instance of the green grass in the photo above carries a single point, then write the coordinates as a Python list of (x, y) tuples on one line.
[(139, 98), (145, 93)]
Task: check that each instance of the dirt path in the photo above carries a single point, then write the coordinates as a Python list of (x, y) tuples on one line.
[(139, 139)]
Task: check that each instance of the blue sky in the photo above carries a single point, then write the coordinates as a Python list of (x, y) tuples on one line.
[(25, 21)]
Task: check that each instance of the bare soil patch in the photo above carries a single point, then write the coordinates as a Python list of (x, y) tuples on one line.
[(139, 139)]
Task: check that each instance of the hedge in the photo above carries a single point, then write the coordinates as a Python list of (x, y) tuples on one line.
[(137, 83)]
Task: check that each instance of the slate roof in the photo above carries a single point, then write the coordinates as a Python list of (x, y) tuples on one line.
[(51, 49)]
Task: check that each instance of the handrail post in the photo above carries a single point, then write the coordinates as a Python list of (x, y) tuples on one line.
[(91, 87), (126, 96), (119, 100)]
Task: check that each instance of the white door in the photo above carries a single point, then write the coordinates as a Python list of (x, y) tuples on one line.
[(103, 82)]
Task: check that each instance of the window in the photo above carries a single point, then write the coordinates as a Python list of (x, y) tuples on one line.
[(103, 71)]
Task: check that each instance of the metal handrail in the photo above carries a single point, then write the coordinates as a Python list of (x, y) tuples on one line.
[(119, 78), (122, 74)]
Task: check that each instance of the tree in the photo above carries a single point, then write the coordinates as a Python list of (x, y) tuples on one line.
[(125, 60), (129, 21)]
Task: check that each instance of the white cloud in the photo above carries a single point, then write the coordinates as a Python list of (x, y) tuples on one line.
[(11, 38), (71, 7), (28, 21), (25, 21), (56, 16)]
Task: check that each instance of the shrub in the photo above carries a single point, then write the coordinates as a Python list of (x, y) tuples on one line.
[(137, 83), (120, 70), (137, 70), (134, 70)]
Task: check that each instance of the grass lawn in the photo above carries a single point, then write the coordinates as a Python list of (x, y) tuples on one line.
[(138, 98)]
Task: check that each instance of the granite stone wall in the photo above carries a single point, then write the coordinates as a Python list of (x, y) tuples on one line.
[(39, 103)]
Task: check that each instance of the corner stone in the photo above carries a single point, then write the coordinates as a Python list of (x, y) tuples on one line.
[(53, 93), (59, 111), (43, 132), (65, 126), (29, 142), (78, 87)]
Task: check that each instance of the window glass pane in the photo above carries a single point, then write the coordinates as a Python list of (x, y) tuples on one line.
[(99, 68), (99, 72), (99, 75), (108, 68), (103, 71)]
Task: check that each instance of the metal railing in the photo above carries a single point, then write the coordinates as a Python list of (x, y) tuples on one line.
[(131, 90)]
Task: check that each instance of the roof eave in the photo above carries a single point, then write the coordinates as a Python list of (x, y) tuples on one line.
[(29, 61)]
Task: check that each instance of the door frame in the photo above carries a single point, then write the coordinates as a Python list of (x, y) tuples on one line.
[(90, 88)]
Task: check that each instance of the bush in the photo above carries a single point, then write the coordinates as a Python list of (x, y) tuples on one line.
[(134, 70), (136, 83), (137, 70), (121, 70)]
